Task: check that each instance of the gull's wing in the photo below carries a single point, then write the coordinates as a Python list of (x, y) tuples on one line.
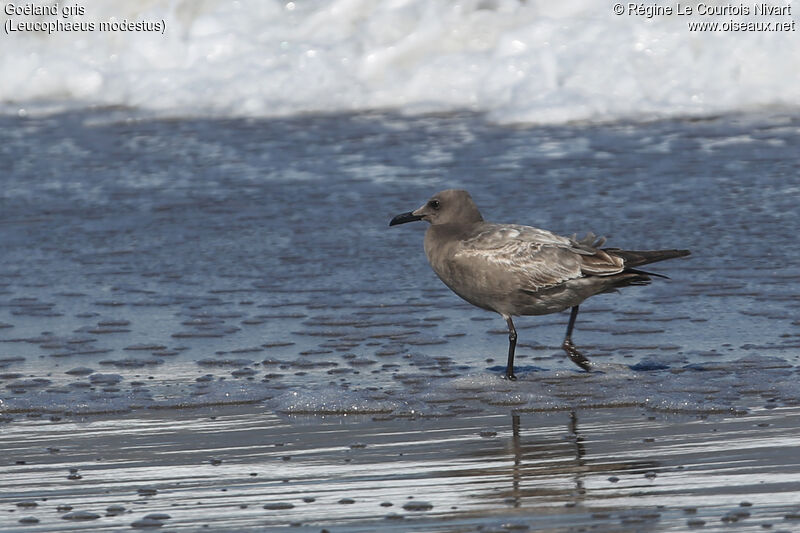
[(536, 257)]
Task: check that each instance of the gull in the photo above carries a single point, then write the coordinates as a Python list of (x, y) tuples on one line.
[(517, 270)]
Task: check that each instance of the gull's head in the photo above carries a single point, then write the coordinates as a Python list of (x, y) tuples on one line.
[(452, 206)]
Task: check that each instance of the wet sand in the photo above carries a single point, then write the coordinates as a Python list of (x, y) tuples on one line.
[(245, 468)]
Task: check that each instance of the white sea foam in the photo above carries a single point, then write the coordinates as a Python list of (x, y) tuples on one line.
[(534, 61)]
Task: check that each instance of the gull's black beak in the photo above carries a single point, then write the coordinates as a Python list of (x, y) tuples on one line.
[(402, 218)]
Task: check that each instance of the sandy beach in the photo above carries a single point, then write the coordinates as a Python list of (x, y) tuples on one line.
[(247, 469)]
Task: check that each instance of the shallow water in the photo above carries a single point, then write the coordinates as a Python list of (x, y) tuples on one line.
[(175, 263)]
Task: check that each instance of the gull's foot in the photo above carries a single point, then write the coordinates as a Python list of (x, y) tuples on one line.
[(575, 356), (510, 375)]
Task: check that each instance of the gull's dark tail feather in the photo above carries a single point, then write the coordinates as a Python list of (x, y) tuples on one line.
[(634, 258)]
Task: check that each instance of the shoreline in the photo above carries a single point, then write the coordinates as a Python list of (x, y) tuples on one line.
[(216, 469)]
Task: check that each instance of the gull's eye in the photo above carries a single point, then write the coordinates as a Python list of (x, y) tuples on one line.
[(434, 204)]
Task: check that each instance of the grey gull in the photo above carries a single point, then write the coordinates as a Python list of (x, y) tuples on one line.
[(518, 270)]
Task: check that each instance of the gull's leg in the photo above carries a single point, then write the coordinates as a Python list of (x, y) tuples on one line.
[(573, 353), (512, 344)]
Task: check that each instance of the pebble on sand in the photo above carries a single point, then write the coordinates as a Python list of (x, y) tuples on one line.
[(81, 515), (146, 523), (158, 516), (27, 504), (276, 506), (418, 506)]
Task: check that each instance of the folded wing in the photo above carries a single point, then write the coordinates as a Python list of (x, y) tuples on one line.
[(537, 258)]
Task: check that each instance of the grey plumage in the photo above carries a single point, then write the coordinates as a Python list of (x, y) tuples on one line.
[(520, 270)]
